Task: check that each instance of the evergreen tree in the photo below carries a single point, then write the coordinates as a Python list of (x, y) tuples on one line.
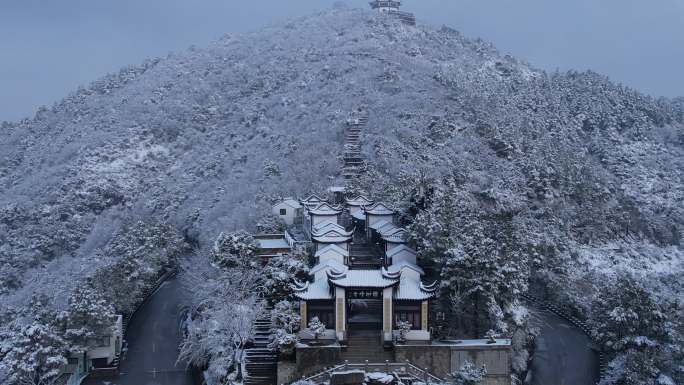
[(33, 355), (635, 329), (89, 316), (234, 249), (279, 275), (484, 275)]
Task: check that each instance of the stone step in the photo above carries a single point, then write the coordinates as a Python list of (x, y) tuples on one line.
[(261, 350), (259, 379)]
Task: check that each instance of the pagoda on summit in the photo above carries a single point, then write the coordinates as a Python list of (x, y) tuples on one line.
[(392, 7), (386, 5)]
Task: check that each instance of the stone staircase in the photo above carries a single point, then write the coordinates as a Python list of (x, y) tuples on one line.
[(366, 346), (353, 162), (362, 256), (261, 362)]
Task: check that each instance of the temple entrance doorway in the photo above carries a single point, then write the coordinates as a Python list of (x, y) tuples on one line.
[(364, 309)]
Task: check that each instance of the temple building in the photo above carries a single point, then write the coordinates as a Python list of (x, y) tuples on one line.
[(374, 300), (385, 5), (391, 7), (353, 289)]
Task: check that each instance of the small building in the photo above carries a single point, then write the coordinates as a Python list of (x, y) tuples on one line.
[(100, 357), (289, 210), (106, 348), (273, 245)]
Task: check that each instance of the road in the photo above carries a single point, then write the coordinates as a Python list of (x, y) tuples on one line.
[(563, 355), (153, 337)]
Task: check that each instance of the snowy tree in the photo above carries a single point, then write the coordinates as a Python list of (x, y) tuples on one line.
[(234, 249), (484, 277), (286, 322), (89, 316), (218, 337), (270, 224), (404, 327), (221, 321), (285, 316), (285, 342), (278, 277), (138, 254), (469, 374), (635, 330), (33, 355), (316, 327)]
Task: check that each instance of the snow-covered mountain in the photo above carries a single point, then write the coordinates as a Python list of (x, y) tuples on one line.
[(205, 139)]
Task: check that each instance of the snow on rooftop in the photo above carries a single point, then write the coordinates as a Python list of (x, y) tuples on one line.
[(396, 267), (325, 209), (319, 289), (360, 200), (332, 249), (330, 227), (359, 215), (330, 264), (290, 202), (363, 278), (412, 289), (275, 243), (379, 209), (400, 249), (398, 236), (379, 224)]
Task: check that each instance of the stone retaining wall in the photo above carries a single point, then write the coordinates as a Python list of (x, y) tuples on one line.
[(443, 359), (312, 359)]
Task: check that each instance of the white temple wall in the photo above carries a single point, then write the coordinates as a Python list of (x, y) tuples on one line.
[(318, 219)]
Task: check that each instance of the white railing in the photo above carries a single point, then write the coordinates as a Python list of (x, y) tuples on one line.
[(288, 238)]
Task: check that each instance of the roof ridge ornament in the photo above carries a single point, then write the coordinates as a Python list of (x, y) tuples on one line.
[(430, 289), (335, 275), (299, 286), (390, 275)]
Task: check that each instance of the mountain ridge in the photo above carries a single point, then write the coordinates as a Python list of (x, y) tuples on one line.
[(188, 138)]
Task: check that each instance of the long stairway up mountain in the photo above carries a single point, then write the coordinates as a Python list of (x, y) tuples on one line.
[(353, 161)]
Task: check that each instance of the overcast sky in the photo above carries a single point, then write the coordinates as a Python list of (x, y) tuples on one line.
[(50, 47)]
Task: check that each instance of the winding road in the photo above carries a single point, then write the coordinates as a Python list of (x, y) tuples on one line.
[(153, 337), (564, 354)]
